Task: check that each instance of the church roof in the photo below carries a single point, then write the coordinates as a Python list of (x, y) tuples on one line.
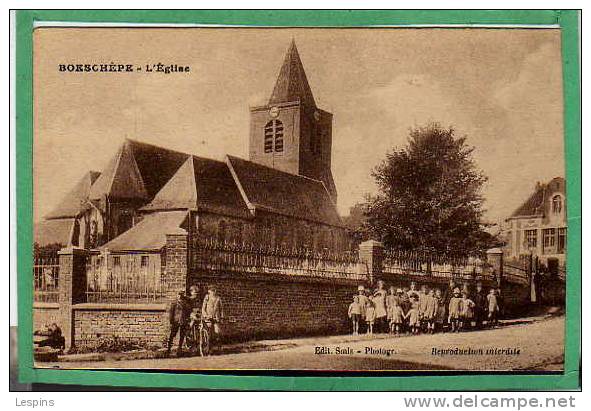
[(536, 203), (292, 83), (283, 193), (74, 202), (58, 231), (137, 171), (202, 184), (150, 233)]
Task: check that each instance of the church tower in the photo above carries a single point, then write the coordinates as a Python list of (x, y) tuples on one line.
[(291, 133)]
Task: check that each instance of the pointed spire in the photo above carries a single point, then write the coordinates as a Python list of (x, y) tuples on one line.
[(292, 83)]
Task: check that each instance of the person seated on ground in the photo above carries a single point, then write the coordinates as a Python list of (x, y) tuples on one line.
[(54, 337)]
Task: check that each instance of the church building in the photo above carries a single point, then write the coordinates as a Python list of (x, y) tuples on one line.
[(283, 196)]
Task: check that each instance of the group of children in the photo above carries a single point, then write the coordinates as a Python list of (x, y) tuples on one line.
[(425, 310)]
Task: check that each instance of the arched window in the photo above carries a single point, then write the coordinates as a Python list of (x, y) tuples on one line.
[(273, 136), (557, 204)]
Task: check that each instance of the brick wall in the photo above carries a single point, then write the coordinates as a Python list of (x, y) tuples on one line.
[(44, 314), (274, 307), (144, 325)]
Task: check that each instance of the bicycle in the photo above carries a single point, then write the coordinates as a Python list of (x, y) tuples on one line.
[(205, 338), (198, 337), (192, 336)]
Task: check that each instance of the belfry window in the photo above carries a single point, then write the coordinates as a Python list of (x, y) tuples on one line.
[(273, 136)]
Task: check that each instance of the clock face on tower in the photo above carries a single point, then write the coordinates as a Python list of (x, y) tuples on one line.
[(317, 115), (274, 111)]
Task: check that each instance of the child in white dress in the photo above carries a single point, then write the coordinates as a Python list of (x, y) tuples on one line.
[(370, 315)]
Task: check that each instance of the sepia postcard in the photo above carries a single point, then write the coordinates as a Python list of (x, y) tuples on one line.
[(312, 200)]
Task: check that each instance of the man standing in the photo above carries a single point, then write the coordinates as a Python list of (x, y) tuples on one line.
[(480, 302), (177, 317), (212, 313), (193, 304)]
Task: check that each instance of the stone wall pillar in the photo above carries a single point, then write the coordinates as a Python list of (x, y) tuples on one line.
[(72, 288), (494, 257), (371, 256), (176, 270)]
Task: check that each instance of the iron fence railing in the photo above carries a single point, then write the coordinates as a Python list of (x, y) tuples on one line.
[(46, 269), (416, 263), (515, 272), (211, 255), (109, 282)]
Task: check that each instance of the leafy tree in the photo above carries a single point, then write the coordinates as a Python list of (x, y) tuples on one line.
[(356, 223), (47, 250), (429, 196)]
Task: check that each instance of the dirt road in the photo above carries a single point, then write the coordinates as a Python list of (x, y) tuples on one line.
[(531, 346)]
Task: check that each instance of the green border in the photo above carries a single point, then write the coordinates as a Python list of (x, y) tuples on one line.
[(568, 20)]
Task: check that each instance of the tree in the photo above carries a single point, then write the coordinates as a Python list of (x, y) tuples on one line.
[(356, 223), (429, 196)]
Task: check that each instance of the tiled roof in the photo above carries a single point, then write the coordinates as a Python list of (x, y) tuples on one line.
[(535, 204), (276, 191), (203, 184), (292, 83), (137, 171), (74, 202), (150, 233), (57, 231)]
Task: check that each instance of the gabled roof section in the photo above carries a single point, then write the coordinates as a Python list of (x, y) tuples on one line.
[(138, 171), (150, 233), (58, 231), (292, 83), (202, 184), (157, 165), (122, 178), (534, 206), (275, 191), (75, 201)]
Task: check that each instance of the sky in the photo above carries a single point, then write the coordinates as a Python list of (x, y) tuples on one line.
[(502, 88)]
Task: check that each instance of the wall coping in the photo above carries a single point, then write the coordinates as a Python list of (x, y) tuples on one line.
[(120, 307), (41, 304), (73, 250), (274, 278), (371, 244)]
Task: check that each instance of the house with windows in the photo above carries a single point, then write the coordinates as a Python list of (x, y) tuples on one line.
[(538, 226)]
